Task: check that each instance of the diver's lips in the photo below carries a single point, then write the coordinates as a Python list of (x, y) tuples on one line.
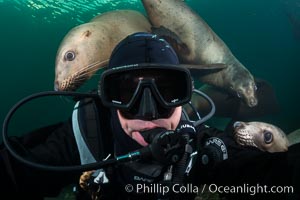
[(136, 135)]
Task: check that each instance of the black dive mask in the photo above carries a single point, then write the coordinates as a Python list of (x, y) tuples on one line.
[(147, 107), (146, 91)]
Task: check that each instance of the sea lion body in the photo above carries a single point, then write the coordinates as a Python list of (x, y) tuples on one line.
[(230, 106), (264, 136), (196, 43), (87, 47)]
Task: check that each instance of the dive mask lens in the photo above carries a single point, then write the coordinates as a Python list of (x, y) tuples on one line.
[(121, 87), (160, 113)]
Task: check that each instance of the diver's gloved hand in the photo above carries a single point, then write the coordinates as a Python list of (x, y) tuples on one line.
[(84, 180), (86, 183)]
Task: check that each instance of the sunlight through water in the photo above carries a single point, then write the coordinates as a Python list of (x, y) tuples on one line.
[(78, 10)]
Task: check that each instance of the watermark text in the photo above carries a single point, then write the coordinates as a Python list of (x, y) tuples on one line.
[(211, 188)]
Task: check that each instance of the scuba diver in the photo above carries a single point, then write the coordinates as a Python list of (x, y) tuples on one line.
[(138, 117)]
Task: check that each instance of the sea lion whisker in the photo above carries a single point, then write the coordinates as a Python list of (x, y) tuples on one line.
[(79, 77), (95, 64), (91, 66), (78, 80), (94, 70), (84, 74), (96, 74)]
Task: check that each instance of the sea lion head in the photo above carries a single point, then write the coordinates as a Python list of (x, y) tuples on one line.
[(73, 64), (264, 136), (244, 86)]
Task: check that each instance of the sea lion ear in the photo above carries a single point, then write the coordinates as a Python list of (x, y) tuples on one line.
[(172, 38), (87, 33)]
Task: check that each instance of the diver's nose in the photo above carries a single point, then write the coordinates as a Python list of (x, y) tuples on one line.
[(147, 108)]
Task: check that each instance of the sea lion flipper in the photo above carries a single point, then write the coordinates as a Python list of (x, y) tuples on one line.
[(204, 69), (231, 106), (226, 104), (215, 66), (172, 38)]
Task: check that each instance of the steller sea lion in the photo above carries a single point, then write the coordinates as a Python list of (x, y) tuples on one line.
[(264, 136), (87, 47), (196, 43), (230, 106)]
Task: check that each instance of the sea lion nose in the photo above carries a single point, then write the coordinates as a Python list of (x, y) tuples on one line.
[(253, 102), (237, 124)]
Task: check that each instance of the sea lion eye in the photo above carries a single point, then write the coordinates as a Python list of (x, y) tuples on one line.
[(70, 55), (268, 137)]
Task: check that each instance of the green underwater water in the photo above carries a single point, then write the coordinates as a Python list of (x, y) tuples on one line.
[(263, 35)]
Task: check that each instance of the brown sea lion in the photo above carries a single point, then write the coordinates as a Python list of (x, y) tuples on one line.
[(196, 43), (87, 47), (230, 106), (264, 136)]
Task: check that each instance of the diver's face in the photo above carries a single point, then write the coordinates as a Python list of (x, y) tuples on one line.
[(132, 127)]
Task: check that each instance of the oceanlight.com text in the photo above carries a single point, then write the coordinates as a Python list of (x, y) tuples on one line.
[(250, 189)]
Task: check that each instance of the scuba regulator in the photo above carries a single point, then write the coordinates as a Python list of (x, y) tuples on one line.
[(165, 146)]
